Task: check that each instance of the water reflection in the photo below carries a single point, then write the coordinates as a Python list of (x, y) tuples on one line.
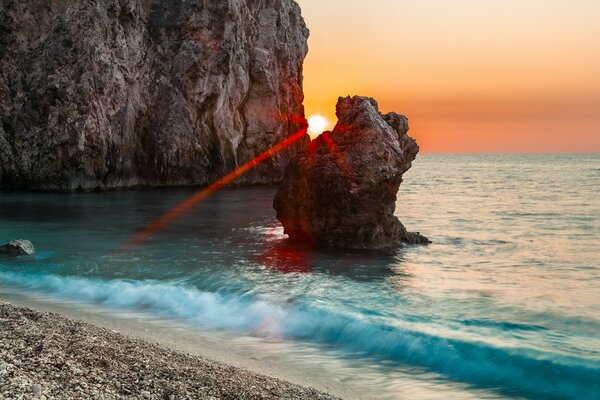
[(286, 257)]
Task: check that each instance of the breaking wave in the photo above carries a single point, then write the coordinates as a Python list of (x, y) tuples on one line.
[(535, 373)]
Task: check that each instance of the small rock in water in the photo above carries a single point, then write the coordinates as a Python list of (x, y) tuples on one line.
[(18, 247)]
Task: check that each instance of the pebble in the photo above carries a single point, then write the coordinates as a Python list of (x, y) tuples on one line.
[(36, 389)]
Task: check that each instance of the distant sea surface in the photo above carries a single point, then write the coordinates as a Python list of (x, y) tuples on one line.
[(504, 304)]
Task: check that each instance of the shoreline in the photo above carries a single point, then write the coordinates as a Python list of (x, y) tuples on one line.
[(54, 356), (141, 188)]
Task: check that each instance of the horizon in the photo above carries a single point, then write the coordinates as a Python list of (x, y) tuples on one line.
[(472, 78)]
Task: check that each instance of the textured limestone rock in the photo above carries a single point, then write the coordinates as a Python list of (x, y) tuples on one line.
[(106, 94), (341, 191), (17, 248)]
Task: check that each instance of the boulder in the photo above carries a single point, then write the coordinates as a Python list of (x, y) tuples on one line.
[(17, 247), (340, 191), (106, 94)]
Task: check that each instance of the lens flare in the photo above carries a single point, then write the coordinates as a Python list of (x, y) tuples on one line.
[(182, 208)]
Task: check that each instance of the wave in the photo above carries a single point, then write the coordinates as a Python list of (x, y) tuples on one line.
[(516, 371), (187, 303)]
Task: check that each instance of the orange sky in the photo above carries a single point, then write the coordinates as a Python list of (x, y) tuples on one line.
[(511, 76)]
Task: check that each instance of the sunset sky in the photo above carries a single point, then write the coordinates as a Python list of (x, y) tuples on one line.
[(512, 76)]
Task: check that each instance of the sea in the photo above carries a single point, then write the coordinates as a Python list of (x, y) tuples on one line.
[(505, 303)]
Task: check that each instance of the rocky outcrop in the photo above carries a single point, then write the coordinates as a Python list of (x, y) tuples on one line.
[(17, 247), (341, 190), (107, 94)]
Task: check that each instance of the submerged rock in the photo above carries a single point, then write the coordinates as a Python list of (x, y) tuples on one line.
[(17, 248), (341, 190), (123, 93)]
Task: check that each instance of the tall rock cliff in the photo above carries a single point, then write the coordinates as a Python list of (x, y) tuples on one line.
[(105, 94)]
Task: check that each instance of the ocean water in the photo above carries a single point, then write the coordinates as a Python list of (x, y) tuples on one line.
[(504, 304)]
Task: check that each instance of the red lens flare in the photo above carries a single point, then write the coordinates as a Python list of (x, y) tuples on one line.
[(341, 161), (303, 233), (339, 158), (182, 208), (285, 258)]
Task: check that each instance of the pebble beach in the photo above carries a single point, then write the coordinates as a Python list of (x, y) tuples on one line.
[(47, 356)]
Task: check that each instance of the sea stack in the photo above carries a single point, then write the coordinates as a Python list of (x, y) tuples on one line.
[(127, 93), (340, 191)]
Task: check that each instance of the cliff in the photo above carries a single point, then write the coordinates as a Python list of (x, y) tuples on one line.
[(107, 94), (341, 190)]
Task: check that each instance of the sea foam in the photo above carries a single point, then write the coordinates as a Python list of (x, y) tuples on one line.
[(538, 374)]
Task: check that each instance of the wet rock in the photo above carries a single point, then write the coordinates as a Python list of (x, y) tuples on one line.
[(17, 248), (129, 93), (341, 190)]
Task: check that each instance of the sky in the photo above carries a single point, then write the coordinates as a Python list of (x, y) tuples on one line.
[(472, 76)]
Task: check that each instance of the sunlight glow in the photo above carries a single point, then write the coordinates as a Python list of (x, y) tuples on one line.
[(456, 70), (317, 124)]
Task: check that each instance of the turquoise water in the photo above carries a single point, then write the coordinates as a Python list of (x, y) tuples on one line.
[(505, 303)]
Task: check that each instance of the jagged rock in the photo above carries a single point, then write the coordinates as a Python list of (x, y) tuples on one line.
[(341, 190), (107, 94), (18, 247)]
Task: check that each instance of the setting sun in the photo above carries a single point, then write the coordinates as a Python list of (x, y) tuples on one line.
[(472, 77), (317, 124)]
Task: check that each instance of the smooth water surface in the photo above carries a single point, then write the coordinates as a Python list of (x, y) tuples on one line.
[(504, 303)]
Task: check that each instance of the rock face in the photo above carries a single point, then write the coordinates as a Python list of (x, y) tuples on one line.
[(107, 94), (17, 248), (341, 190)]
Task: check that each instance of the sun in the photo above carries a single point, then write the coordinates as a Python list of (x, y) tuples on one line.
[(317, 124)]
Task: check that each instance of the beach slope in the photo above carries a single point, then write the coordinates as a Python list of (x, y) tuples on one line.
[(44, 355)]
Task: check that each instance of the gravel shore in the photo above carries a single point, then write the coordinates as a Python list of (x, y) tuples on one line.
[(47, 356)]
